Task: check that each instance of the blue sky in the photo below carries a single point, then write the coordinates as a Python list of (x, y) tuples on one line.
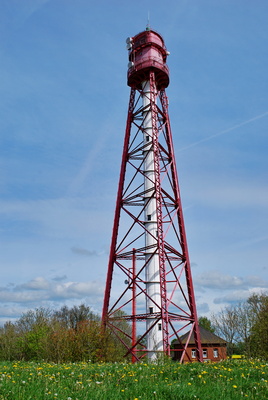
[(64, 101)]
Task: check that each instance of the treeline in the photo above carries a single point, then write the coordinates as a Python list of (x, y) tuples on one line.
[(245, 327), (75, 334), (68, 335)]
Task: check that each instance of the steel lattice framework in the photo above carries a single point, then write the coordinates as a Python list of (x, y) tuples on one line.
[(134, 244)]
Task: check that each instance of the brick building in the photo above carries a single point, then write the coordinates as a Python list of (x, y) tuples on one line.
[(213, 347)]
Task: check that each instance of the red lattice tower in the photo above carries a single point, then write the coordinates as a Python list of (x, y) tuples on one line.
[(149, 296)]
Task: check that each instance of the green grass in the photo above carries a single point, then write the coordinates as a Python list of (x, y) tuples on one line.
[(229, 380)]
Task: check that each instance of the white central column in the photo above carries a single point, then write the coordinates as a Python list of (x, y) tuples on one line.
[(152, 273)]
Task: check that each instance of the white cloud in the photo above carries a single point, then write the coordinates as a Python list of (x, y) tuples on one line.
[(238, 295), (10, 296), (38, 283), (11, 311), (215, 290), (77, 290), (202, 308), (219, 281), (59, 278), (40, 289), (84, 252)]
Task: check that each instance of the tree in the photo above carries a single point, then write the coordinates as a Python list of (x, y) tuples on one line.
[(204, 322), (258, 337), (76, 334), (9, 344), (117, 340), (71, 317), (226, 326), (68, 335), (246, 313), (34, 328), (245, 326), (40, 316)]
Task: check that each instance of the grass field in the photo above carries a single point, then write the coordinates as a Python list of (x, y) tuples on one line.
[(229, 380)]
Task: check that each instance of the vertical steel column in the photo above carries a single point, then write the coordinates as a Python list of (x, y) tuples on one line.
[(134, 308), (109, 278)]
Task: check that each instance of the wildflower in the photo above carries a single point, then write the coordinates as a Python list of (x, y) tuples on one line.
[(234, 386)]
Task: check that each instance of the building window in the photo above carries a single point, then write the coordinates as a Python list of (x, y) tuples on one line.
[(215, 353), (193, 353), (147, 138), (205, 354), (159, 327), (151, 310), (149, 217)]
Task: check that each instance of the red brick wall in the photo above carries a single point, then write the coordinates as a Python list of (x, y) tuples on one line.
[(210, 355)]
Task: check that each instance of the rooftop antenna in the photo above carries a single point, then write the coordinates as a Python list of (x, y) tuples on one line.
[(148, 28)]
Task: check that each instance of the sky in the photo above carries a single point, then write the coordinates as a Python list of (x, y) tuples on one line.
[(63, 108)]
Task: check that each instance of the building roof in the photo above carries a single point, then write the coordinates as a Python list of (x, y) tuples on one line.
[(206, 337)]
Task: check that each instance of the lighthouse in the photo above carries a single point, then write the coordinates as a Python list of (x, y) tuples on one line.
[(149, 296)]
